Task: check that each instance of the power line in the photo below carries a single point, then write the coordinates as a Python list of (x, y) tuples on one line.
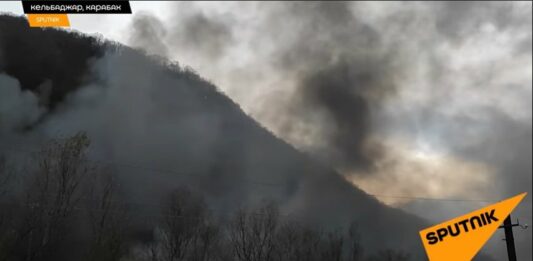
[(125, 211), (261, 183), (432, 199)]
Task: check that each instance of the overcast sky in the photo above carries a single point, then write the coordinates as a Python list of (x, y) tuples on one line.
[(451, 85)]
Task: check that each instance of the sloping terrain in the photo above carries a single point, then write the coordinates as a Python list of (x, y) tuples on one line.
[(162, 126)]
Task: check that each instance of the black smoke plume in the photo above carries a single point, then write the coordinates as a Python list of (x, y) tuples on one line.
[(160, 127)]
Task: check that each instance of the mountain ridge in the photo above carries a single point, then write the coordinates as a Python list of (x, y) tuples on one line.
[(143, 109)]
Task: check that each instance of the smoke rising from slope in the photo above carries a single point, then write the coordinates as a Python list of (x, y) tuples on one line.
[(355, 83), (18, 108), (338, 72), (159, 127), (148, 34), (328, 72)]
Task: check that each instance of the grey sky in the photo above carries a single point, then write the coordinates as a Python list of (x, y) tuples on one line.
[(458, 124)]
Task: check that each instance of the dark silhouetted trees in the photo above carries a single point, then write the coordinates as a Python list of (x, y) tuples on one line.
[(68, 208)]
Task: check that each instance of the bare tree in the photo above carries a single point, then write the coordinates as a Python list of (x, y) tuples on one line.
[(5, 177), (298, 242), (108, 218), (252, 233), (354, 251), (52, 196), (332, 246), (41, 225), (6, 211), (187, 232), (206, 246)]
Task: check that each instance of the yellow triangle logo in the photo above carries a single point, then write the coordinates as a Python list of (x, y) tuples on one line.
[(461, 238)]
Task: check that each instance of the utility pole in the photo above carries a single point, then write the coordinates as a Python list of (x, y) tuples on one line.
[(509, 237)]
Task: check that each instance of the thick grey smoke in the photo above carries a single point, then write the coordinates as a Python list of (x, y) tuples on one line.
[(339, 72), (160, 127), (204, 35), (342, 71), (197, 35), (18, 108), (148, 34), (421, 99), (336, 67)]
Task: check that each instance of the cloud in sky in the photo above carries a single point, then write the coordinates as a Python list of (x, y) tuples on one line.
[(347, 81), (393, 94)]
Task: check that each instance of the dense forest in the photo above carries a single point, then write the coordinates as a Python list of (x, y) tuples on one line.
[(65, 207)]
